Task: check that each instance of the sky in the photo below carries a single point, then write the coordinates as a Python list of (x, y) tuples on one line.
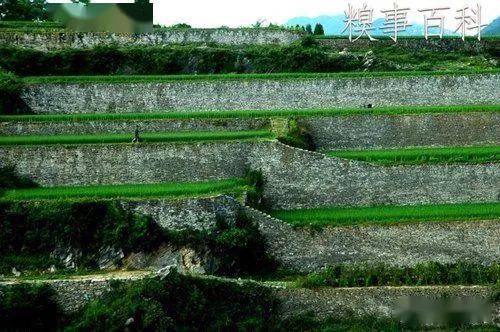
[(237, 13)]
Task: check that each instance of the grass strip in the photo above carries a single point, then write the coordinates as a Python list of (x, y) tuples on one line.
[(127, 138), (212, 77), (416, 156), (174, 189), (423, 274), (407, 110), (388, 214)]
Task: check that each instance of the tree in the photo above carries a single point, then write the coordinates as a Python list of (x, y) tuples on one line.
[(23, 9), (318, 30), (309, 29), (81, 1)]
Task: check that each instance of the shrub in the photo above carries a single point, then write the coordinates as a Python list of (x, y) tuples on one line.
[(10, 91), (180, 303), (30, 232), (298, 136), (29, 308), (421, 274)]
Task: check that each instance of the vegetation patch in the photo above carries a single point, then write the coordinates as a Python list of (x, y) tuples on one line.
[(278, 76), (173, 189), (297, 136), (36, 236), (352, 275), (10, 92), (388, 214), (306, 55), (29, 307), (144, 138), (417, 156), (245, 114)]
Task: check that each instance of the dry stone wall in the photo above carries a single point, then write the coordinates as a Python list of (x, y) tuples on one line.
[(407, 244), (436, 45), (270, 94), (386, 302), (191, 213), (93, 164), (122, 127), (46, 41), (302, 179), (294, 178), (399, 131)]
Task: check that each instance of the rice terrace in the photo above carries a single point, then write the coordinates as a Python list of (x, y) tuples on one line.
[(251, 178)]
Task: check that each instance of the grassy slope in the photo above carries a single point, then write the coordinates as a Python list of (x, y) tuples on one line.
[(207, 77), (413, 156), (127, 138), (389, 214), (175, 189), (250, 113)]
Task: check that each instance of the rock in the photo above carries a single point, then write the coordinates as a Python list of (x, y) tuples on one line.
[(108, 257), (15, 272), (52, 269), (164, 272), (130, 321), (69, 257)]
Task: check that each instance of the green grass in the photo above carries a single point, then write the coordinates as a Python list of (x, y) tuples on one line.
[(127, 138), (415, 156), (174, 189), (208, 77), (388, 214), (408, 110), (423, 274)]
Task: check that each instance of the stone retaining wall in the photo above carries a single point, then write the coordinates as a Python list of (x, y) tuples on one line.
[(262, 94), (436, 45), (46, 41), (390, 302), (294, 178), (346, 303), (406, 244), (401, 131), (124, 126), (189, 213), (93, 164)]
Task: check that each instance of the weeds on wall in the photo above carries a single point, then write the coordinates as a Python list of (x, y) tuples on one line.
[(432, 273), (298, 136)]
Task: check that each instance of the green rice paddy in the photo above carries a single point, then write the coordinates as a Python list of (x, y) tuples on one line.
[(408, 110), (388, 214), (127, 138), (175, 189), (414, 156)]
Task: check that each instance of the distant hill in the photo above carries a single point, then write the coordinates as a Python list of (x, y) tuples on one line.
[(333, 25), (493, 29)]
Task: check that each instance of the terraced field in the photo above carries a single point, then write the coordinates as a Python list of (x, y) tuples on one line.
[(253, 207)]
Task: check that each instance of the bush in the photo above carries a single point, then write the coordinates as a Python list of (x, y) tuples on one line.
[(29, 308), (30, 232), (10, 93), (421, 274), (180, 303)]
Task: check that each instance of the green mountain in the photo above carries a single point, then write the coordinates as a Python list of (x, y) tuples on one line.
[(493, 29)]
